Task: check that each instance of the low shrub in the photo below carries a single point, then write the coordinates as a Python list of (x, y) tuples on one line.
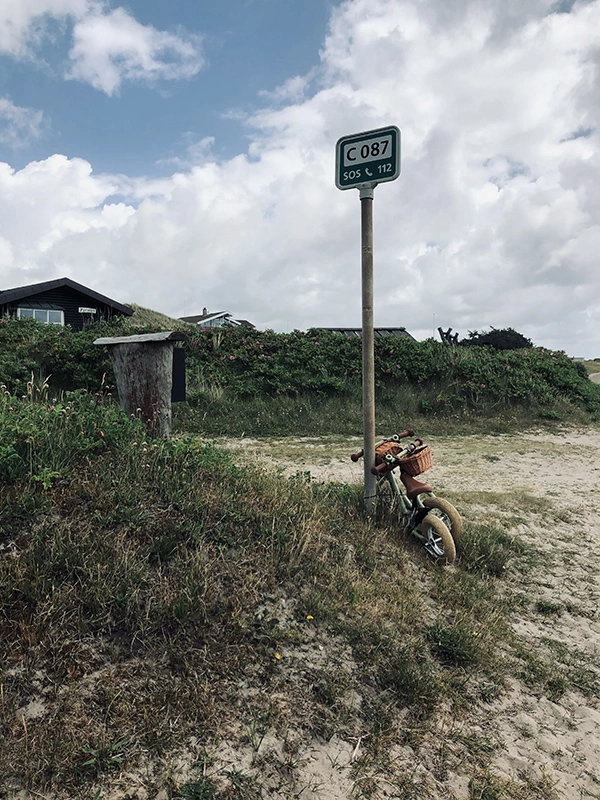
[(238, 366)]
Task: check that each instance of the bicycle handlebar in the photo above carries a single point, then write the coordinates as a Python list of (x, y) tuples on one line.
[(404, 435), (395, 438), (391, 462), (381, 469)]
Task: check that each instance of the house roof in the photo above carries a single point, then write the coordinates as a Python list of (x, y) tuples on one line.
[(379, 332), (198, 318), (143, 338), (10, 295), (204, 317)]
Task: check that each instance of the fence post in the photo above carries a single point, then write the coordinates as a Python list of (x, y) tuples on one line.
[(143, 367)]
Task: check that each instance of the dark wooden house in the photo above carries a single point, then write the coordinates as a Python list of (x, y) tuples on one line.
[(60, 302)]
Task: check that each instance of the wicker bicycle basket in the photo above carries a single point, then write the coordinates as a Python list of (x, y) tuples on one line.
[(417, 463)]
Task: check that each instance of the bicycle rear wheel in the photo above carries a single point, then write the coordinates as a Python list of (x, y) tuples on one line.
[(437, 540), (387, 502)]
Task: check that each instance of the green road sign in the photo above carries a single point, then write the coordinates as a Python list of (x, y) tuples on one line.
[(366, 158)]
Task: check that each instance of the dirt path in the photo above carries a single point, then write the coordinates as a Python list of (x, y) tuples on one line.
[(537, 736)]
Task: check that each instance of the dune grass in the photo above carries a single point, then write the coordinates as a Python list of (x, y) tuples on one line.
[(217, 412), (153, 592), (147, 318)]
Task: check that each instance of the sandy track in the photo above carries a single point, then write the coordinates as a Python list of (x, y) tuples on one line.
[(536, 735)]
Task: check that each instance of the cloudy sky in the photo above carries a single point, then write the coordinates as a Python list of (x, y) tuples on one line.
[(181, 155)]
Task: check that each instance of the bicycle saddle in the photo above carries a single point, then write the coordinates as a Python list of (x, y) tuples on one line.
[(413, 486)]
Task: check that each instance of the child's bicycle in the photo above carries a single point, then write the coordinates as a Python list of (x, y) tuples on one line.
[(431, 520)]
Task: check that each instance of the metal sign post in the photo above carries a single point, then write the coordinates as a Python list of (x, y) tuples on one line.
[(362, 161)]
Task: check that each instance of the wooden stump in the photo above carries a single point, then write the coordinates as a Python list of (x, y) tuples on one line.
[(143, 368)]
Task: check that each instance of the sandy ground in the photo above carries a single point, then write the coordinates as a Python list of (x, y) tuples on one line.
[(536, 736), (532, 735)]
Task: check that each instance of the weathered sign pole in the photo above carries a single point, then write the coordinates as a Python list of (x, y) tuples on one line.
[(362, 161)]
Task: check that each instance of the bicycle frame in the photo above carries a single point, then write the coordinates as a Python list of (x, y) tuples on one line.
[(413, 512)]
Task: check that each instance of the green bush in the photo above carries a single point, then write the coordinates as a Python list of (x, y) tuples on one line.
[(42, 437), (250, 365), (244, 364), (499, 339), (67, 358)]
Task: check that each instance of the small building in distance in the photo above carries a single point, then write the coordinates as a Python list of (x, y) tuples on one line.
[(382, 333), (216, 319), (60, 302)]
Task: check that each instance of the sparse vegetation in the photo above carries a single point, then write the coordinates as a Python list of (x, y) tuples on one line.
[(158, 598), (146, 318)]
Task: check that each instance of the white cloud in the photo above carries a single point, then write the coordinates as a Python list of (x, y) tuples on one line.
[(24, 24), (293, 90), (197, 151), (44, 204), (6, 254), (108, 46), (493, 221), (19, 126)]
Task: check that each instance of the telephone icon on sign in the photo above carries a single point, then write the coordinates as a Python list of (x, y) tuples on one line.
[(370, 174)]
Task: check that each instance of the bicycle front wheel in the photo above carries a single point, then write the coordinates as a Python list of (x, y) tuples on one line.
[(446, 512), (437, 540)]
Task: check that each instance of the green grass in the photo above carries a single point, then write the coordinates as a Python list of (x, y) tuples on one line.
[(592, 366), (146, 318), (486, 548), (154, 592), (165, 564), (488, 786), (552, 668), (201, 789), (216, 412)]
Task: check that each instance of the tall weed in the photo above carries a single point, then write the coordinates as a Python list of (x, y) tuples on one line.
[(43, 436)]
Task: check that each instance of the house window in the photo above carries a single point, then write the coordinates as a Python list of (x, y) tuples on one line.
[(50, 316)]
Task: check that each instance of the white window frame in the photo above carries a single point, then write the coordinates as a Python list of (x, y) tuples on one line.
[(37, 312)]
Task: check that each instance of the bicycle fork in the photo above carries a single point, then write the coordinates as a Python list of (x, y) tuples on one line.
[(413, 512), (417, 515)]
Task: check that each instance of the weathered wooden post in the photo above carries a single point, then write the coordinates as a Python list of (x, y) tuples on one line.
[(143, 368), (362, 161)]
